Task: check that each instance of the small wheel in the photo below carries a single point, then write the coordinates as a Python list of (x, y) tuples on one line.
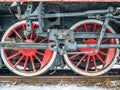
[(92, 64), (26, 62)]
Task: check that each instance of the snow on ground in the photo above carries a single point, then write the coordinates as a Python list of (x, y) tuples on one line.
[(51, 87)]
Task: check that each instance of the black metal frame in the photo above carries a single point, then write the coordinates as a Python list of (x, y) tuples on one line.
[(64, 39)]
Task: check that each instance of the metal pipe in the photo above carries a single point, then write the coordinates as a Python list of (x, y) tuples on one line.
[(5, 45), (95, 45), (95, 35), (75, 13)]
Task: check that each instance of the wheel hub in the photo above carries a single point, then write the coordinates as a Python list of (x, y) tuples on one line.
[(28, 52), (89, 41)]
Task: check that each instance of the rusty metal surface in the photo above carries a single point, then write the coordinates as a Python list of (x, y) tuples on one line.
[(61, 0), (58, 79)]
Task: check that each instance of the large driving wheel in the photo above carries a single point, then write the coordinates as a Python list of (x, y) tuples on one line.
[(92, 64), (26, 62)]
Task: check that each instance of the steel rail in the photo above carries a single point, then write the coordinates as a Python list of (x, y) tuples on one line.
[(57, 79)]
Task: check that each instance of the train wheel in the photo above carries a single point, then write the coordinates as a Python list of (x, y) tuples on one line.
[(92, 64), (26, 62)]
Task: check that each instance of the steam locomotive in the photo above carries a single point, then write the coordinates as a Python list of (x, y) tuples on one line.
[(41, 36)]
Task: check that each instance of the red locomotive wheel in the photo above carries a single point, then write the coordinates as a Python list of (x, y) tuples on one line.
[(26, 62), (92, 64)]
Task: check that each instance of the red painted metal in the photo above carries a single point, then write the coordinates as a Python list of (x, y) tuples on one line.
[(60, 0), (28, 56), (89, 41), (46, 58), (111, 53), (103, 56)]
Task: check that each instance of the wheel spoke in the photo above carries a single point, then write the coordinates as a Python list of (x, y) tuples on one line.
[(31, 35), (103, 53), (18, 61), (25, 64), (85, 28), (43, 40), (87, 64), (18, 34), (38, 59), (100, 59), (33, 65), (14, 55), (94, 61), (80, 60), (73, 56), (36, 38), (105, 40), (94, 29), (38, 52)]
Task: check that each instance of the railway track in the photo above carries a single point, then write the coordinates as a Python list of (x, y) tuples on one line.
[(85, 41), (101, 81), (109, 80), (56, 78)]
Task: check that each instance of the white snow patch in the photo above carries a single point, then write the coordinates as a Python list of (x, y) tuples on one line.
[(51, 87), (116, 66)]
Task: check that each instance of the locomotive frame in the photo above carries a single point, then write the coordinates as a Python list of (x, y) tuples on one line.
[(63, 40), (39, 15)]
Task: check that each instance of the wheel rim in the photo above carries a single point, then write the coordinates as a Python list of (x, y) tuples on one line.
[(26, 62), (95, 63)]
